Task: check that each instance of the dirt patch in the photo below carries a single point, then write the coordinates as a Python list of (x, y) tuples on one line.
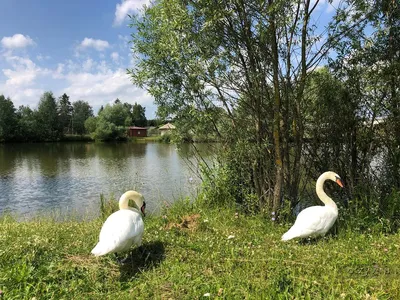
[(189, 222), (81, 259)]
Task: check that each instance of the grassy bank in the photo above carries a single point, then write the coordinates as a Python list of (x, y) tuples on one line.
[(145, 139), (77, 138), (192, 252)]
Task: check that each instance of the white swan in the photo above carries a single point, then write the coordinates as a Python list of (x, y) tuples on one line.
[(316, 220), (123, 228)]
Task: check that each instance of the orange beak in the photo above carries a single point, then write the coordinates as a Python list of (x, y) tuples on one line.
[(339, 182)]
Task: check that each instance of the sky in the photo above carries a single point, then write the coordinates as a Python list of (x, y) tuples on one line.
[(78, 47)]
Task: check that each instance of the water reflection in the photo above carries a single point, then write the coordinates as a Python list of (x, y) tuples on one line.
[(69, 177), (7, 161)]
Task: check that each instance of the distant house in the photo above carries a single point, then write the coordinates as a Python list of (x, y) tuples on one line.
[(137, 131), (167, 128)]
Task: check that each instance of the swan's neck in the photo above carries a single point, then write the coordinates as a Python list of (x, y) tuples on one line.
[(321, 193), (124, 200)]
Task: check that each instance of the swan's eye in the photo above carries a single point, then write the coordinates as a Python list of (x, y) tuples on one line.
[(143, 208)]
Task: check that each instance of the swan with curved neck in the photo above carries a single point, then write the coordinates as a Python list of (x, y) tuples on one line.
[(316, 220), (123, 228), (137, 198)]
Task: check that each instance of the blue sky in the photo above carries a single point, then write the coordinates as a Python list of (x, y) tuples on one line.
[(78, 47)]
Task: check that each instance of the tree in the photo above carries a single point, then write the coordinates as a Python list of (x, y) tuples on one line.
[(368, 64), (65, 112), (8, 120), (139, 115), (47, 117), (116, 114), (81, 112), (91, 124), (28, 129), (111, 123), (251, 58)]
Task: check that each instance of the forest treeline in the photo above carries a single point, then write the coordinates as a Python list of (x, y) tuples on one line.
[(55, 118), (289, 95)]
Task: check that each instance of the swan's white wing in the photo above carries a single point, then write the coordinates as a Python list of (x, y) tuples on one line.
[(120, 231), (312, 221)]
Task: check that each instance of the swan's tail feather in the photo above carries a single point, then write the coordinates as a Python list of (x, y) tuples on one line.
[(100, 250), (287, 236)]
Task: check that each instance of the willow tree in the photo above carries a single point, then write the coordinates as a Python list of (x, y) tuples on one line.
[(368, 63), (250, 58)]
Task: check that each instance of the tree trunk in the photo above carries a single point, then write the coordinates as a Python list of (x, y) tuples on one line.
[(276, 202)]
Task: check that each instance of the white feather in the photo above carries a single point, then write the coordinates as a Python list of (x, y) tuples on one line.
[(316, 220), (122, 229)]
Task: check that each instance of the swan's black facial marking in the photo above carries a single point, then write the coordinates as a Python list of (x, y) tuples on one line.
[(143, 208), (339, 181)]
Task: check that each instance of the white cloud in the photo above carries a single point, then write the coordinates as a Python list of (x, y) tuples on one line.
[(104, 87), (88, 64), (127, 7), (23, 72), (21, 77), (22, 96), (115, 56), (32, 93), (17, 41), (42, 57), (97, 85), (124, 44), (58, 73), (124, 38), (93, 80), (99, 45), (103, 67)]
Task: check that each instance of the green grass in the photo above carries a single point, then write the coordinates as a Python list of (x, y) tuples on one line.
[(46, 259), (145, 139)]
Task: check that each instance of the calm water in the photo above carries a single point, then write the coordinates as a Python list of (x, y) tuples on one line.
[(69, 177)]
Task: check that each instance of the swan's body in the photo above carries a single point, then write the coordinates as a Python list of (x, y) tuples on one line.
[(123, 228), (316, 220)]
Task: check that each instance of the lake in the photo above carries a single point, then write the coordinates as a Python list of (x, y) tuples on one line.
[(69, 177)]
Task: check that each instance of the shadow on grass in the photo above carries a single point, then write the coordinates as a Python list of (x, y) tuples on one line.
[(319, 239), (141, 259)]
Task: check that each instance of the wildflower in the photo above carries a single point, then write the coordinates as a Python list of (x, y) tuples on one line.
[(207, 295), (273, 219), (231, 237), (273, 213)]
